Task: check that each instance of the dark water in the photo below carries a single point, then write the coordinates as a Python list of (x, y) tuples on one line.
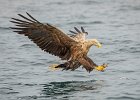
[(24, 73)]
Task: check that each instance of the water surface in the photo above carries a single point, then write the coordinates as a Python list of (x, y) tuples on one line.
[(24, 72)]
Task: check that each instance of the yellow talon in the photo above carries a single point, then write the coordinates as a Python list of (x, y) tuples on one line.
[(53, 67), (101, 67)]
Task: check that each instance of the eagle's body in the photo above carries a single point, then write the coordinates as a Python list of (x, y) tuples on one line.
[(72, 48)]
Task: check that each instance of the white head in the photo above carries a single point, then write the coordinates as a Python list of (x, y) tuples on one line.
[(94, 42)]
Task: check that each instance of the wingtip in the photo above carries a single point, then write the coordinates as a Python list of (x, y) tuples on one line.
[(82, 29), (19, 14), (72, 32), (11, 21), (28, 14), (13, 18), (77, 29)]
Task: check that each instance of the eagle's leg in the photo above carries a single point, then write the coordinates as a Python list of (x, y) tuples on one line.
[(61, 66), (69, 65), (89, 65), (54, 67), (65, 66)]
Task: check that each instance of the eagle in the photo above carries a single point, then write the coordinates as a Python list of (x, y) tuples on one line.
[(72, 48)]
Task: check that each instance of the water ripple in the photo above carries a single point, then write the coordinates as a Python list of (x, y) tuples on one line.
[(24, 72), (59, 88)]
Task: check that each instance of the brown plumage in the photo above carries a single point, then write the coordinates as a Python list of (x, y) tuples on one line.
[(73, 48)]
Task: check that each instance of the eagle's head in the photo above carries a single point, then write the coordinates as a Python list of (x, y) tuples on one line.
[(95, 42)]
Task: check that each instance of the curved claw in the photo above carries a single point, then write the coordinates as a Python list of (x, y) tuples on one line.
[(101, 67)]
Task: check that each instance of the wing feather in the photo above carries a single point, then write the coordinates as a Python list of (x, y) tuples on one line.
[(46, 36), (78, 35)]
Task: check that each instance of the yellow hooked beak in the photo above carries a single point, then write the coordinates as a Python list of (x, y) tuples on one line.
[(99, 45)]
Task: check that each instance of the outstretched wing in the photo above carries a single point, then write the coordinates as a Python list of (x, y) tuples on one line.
[(46, 36), (78, 35)]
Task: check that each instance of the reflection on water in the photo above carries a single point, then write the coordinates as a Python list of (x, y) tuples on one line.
[(63, 90), (70, 87)]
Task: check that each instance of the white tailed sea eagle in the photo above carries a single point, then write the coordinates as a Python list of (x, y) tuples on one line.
[(73, 48)]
